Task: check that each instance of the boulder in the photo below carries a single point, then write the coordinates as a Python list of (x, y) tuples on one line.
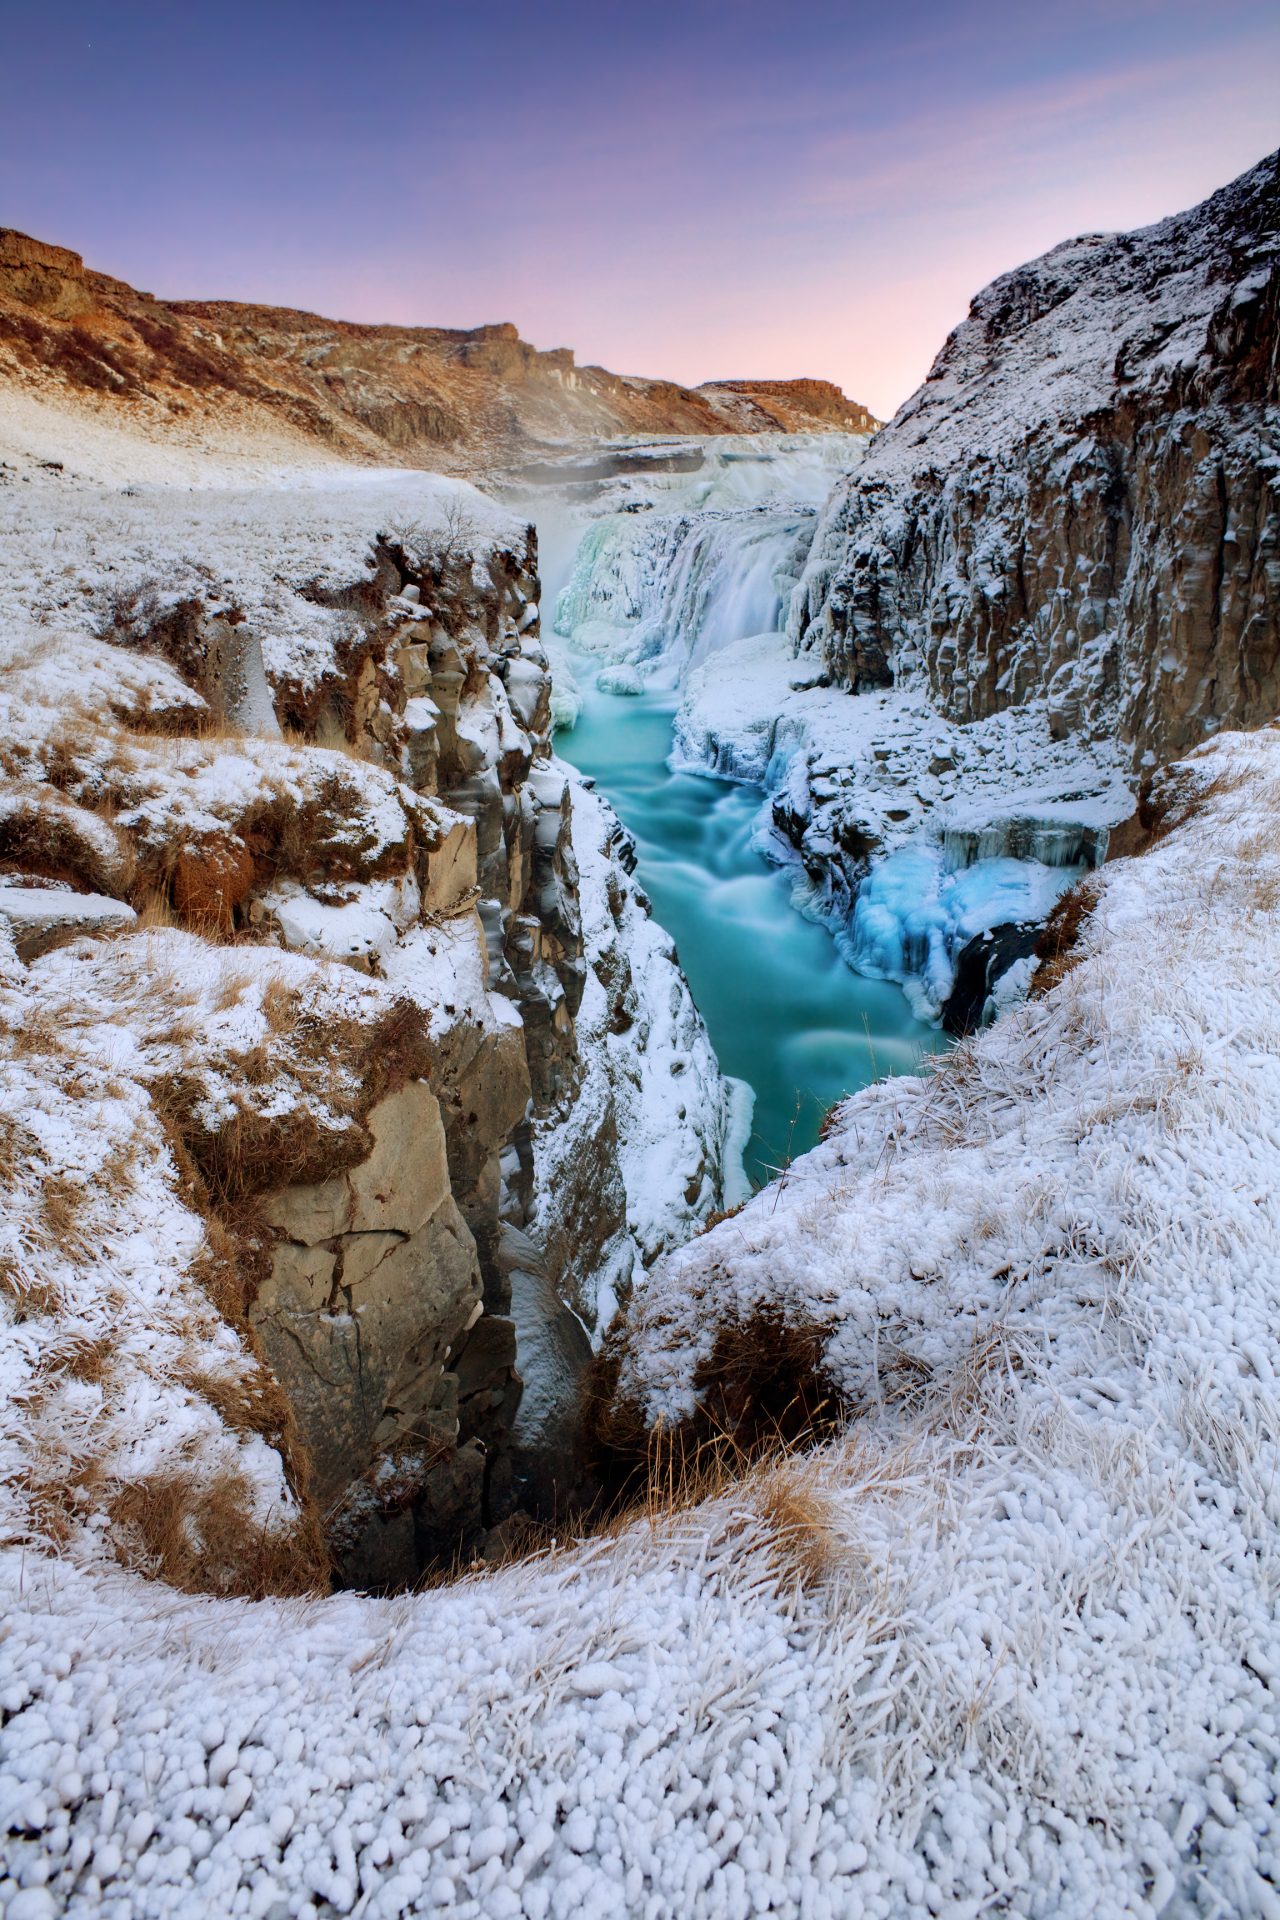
[(43, 917)]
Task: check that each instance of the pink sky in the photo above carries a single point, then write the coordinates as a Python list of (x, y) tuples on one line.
[(720, 188)]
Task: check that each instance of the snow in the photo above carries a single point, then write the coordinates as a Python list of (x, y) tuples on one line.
[(1019, 1649), (1035, 1665), (362, 925), (36, 911), (269, 549), (115, 1366)]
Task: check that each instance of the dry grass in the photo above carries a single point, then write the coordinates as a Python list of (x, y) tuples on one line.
[(153, 909), (1058, 948), (58, 1503), (37, 1035), (30, 1298), (763, 1391), (803, 1539), (201, 1538), (1186, 793), (16, 1142), (53, 838), (281, 1009), (339, 1069), (62, 1207)]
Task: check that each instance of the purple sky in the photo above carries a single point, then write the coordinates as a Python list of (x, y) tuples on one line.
[(693, 190)]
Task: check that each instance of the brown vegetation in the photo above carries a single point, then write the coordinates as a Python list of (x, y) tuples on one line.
[(201, 1538), (763, 1389), (1058, 948)]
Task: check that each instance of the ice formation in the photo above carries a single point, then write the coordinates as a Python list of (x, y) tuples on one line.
[(674, 566), (685, 580)]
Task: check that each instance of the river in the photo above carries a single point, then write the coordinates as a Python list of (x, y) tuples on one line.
[(663, 573), (784, 1012)]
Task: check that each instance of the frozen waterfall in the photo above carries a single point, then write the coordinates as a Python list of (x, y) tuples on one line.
[(676, 566)]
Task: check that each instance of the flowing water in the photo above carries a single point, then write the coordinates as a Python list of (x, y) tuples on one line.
[(706, 560), (783, 1010)]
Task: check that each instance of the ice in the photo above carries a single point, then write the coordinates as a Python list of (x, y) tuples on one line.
[(678, 566), (913, 915), (907, 834)]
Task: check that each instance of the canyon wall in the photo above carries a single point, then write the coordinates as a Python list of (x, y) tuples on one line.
[(434, 397), (1055, 570), (1080, 504), (320, 727)]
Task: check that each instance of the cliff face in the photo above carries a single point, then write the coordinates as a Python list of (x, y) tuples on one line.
[(1080, 503), (308, 728), (417, 396)]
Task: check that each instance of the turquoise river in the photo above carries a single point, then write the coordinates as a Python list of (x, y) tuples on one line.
[(783, 1010)]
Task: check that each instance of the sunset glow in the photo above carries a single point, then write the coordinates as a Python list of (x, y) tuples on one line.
[(709, 190)]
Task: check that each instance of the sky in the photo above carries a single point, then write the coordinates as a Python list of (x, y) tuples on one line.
[(709, 189)]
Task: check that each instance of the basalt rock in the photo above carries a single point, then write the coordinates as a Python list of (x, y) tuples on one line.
[(981, 963), (1080, 505), (449, 869)]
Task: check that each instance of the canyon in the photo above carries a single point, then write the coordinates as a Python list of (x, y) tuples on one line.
[(376, 1205)]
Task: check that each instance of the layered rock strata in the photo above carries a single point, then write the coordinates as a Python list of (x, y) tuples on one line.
[(419, 396)]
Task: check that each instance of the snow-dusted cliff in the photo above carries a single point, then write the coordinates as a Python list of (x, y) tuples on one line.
[(1079, 507), (310, 716)]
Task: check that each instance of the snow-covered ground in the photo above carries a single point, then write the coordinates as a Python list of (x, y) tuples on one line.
[(1010, 1644), (272, 548)]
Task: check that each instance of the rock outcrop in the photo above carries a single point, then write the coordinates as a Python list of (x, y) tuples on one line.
[(325, 729), (1055, 570), (1080, 504)]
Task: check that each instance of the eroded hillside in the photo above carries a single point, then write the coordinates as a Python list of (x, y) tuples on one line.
[(285, 850), (410, 396)]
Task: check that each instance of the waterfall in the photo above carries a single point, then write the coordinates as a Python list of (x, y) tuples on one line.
[(680, 582), (673, 567)]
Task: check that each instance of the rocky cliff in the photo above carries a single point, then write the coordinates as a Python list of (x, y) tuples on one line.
[(434, 397), (1080, 504), (311, 724)]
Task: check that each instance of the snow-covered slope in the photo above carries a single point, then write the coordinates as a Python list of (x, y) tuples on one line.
[(1008, 1645)]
